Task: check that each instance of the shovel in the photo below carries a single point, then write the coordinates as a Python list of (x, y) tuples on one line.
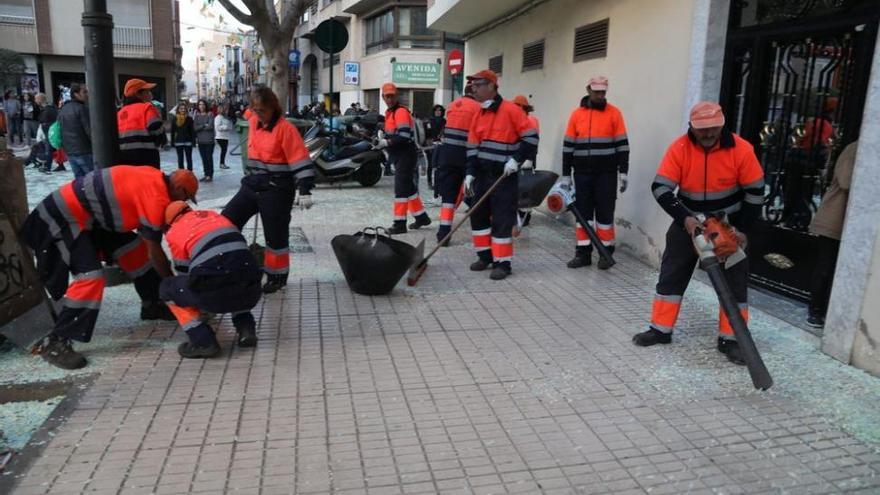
[(421, 264)]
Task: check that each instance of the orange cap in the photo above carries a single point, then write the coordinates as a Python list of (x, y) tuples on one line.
[(186, 180), (521, 100), (174, 210), (598, 83), (389, 89), (706, 114), (132, 86), (486, 74)]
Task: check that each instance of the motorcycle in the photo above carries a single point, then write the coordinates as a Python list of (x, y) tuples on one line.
[(342, 158)]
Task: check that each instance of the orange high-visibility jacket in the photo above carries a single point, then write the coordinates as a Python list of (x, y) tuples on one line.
[(595, 140), (139, 124), (498, 133), (459, 116), (726, 179), (278, 148), (398, 128), (120, 199), (198, 236)]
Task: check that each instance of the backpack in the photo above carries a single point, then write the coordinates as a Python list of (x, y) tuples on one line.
[(55, 135)]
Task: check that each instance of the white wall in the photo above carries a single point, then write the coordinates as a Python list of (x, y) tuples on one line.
[(647, 65), (866, 343)]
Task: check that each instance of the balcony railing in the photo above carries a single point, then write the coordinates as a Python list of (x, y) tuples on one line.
[(132, 41)]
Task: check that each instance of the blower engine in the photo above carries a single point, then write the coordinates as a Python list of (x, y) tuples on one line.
[(560, 197)]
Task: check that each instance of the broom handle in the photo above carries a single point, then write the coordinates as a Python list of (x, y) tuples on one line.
[(467, 215)]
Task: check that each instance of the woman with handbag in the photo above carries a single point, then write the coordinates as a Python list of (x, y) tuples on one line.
[(183, 135)]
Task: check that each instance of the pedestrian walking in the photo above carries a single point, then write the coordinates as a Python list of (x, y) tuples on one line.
[(93, 218), (30, 113), (141, 129), (827, 224), (399, 141), (47, 116), (224, 124), (216, 273), (12, 109), (451, 157), (204, 126), (716, 174), (183, 136), (596, 149), (278, 165), (76, 136), (500, 139)]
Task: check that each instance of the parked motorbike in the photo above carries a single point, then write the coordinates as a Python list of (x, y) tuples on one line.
[(342, 158)]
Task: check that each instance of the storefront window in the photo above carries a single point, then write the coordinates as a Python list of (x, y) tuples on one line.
[(379, 32)]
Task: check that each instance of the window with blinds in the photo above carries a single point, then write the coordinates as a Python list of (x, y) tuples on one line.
[(591, 41), (533, 56)]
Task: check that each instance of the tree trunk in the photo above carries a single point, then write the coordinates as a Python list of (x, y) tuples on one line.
[(278, 75)]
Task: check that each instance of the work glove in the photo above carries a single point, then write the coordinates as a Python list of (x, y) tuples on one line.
[(304, 201), (528, 165), (380, 134), (381, 144), (623, 182), (511, 167), (469, 186)]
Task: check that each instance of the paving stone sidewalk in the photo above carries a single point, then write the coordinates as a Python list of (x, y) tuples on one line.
[(457, 385)]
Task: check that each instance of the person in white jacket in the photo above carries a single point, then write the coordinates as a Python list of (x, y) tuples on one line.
[(223, 127)]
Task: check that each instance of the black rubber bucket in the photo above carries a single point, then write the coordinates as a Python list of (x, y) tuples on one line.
[(534, 186), (371, 261)]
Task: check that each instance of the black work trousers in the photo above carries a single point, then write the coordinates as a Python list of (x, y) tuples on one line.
[(595, 198), (823, 275)]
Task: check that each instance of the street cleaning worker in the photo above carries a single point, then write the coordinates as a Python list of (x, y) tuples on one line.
[(500, 139), (216, 274), (401, 146), (525, 216), (141, 128), (597, 149), (278, 164), (451, 156), (92, 219), (717, 174)]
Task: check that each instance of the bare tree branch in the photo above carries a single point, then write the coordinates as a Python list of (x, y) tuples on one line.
[(269, 7), (291, 12), (237, 13)]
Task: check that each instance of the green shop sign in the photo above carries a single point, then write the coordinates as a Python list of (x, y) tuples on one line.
[(415, 73)]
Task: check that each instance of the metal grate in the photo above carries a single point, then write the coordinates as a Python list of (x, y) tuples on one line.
[(496, 64), (533, 56), (591, 41)]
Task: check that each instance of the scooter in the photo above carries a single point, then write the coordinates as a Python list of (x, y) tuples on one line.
[(339, 158)]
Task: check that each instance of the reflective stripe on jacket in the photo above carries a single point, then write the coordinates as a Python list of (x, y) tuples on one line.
[(595, 140), (197, 236), (277, 148), (459, 116), (398, 128), (726, 179), (139, 125), (498, 133)]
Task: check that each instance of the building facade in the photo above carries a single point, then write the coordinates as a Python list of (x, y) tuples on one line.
[(388, 40), (776, 66), (49, 35)]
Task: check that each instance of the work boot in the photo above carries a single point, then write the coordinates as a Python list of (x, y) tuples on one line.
[(603, 264), (191, 351), (247, 333), (481, 264), (816, 320), (224, 166), (60, 168), (59, 352), (156, 310), (651, 337), (398, 227), (442, 232), (420, 221), (274, 283), (500, 271), (730, 348), (580, 259)]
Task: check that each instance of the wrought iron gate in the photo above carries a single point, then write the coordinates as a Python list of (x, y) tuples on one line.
[(795, 78)]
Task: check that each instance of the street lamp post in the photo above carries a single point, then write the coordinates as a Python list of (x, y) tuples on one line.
[(98, 33)]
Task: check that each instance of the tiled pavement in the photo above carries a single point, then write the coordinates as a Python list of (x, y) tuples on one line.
[(461, 385)]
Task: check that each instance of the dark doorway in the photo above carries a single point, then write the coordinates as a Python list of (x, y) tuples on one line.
[(61, 82), (794, 85), (423, 102)]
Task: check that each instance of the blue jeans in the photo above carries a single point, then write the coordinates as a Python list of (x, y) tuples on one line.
[(81, 164)]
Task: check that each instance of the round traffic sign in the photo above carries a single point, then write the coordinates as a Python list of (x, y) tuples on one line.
[(455, 61), (331, 36)]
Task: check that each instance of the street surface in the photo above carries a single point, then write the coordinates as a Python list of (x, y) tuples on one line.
[(457, 385)]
